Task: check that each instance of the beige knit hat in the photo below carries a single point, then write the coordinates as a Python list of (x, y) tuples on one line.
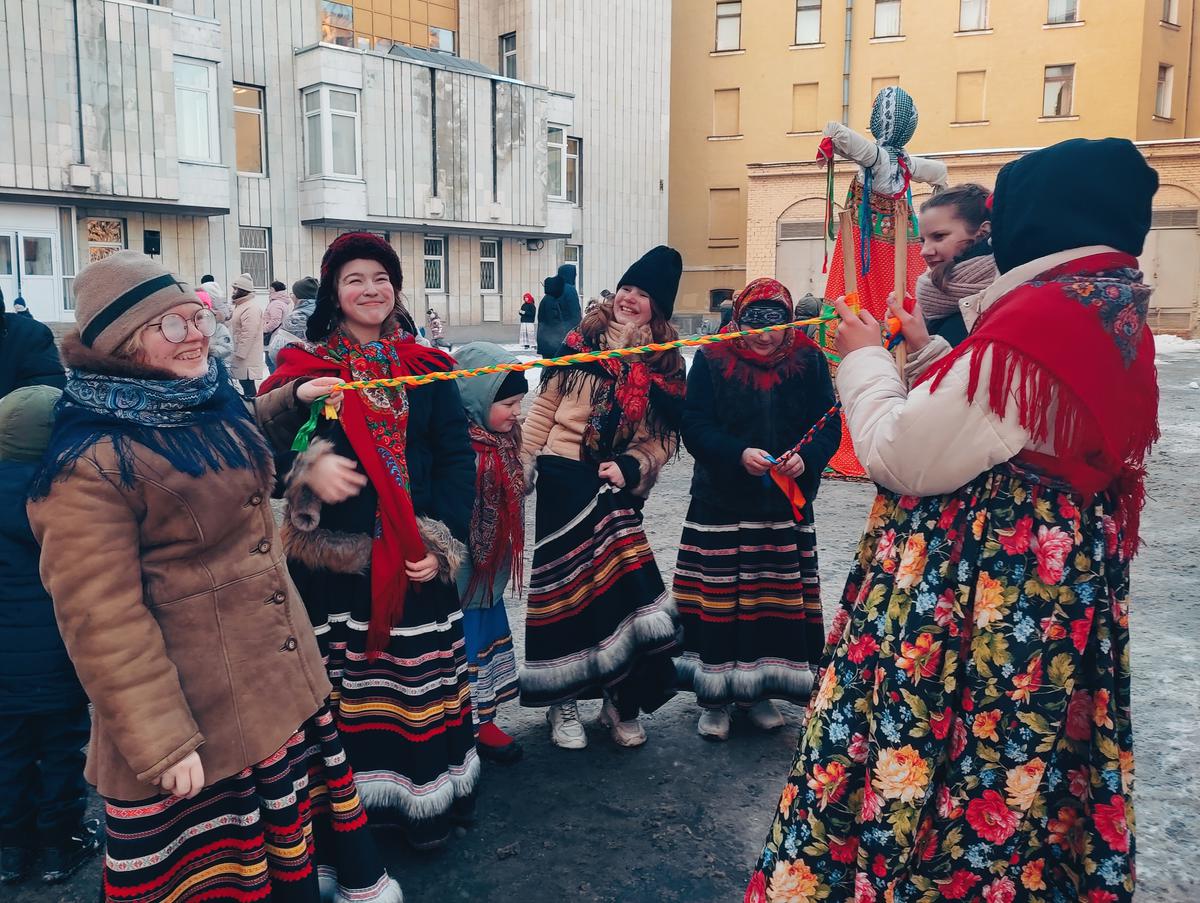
[(243, 283), (116, 295)]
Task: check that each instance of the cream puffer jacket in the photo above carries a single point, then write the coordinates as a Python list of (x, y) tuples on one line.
[(918, 443)]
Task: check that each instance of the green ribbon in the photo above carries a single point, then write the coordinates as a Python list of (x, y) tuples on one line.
[(305, 434)]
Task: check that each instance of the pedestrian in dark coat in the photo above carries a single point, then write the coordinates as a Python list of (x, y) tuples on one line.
[(551, 328), (572, 311), (528, 314), (27, 353), (44, 719)]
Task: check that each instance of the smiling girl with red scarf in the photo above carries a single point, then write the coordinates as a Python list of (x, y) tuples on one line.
[(970, 735), (378, 510), (599, 621)]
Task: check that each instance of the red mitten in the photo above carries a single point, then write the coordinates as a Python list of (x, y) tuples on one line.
[(825, 149)]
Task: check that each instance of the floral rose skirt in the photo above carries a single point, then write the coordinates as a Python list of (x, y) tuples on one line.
[(970, 737)]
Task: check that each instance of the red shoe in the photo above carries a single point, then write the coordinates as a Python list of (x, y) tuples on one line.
[(497, 746)]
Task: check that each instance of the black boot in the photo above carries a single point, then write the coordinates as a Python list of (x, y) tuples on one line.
[(429, 834), (61, 859), (15, 863)]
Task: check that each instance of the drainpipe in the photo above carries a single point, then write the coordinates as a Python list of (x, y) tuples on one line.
[(78, 81), (846, 62)]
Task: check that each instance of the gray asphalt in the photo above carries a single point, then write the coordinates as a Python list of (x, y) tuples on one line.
[(683, 820)]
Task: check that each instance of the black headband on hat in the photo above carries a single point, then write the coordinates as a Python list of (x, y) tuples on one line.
[(122, 304), (514, 383)]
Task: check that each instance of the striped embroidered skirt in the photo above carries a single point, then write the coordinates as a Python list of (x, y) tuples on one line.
[(598, 618), (749, 598), (291, 828), (491, 661), (405, 718)]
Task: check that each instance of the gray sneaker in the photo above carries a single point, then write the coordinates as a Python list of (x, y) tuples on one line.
[(566, 730)]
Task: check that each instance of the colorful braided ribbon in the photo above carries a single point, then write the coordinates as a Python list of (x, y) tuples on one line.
[(304, 436)]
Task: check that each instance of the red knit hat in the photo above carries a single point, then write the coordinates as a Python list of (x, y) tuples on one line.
[(351, 246)]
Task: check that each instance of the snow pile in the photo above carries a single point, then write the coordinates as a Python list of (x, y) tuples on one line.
[(1172, 345)]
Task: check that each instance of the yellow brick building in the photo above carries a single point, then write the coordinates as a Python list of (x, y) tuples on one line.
[(754, 82)]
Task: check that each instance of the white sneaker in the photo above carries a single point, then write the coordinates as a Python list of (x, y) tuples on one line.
[(566, 730), (624, 733), (766, 716), (714, 724)]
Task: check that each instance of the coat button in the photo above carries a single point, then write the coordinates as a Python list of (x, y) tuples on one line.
[(256, 499), (289, 646), (264, 546), (280, 597)]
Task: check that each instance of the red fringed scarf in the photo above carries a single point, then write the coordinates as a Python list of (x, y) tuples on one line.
[(498, 521), (375, 422), (1074, 343)]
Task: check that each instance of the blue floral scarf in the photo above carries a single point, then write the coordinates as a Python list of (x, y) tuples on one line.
[(199, 424)]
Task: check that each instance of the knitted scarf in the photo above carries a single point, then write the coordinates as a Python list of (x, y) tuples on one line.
[(965, 278), (199, 424), (627, 392), (1074, 343), (375, 422), (498, 519)]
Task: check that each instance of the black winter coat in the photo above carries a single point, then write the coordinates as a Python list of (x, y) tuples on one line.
[(552, 328), (726, 414), (27, 355), (35, 673)]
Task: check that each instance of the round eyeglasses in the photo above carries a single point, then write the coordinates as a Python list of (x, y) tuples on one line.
[(174, 327)]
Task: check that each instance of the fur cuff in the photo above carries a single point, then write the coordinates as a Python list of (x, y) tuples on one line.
[(529, 466), (303, 506), (327, 550), (438, 539)]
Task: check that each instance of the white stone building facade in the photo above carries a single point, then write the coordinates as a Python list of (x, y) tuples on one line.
[(224, 136)]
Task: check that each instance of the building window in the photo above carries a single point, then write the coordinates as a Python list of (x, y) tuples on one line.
[(564, 165), (1162, 95), (808, 21), (489, 265), (887, 18), (104, 237), (968, 97), (1170, 12), (556, 153), (249, 122), (718, 296), (574, 172), (435, 265), (337, 23), (1059, 91), (508, 55), (1060, 12), (804, 108), (196, 110), (573, 254), (255, 246), (331, 132), (724, 217), (727, 112), (729, 26), (884, 81), (972, 15), (441, 40)]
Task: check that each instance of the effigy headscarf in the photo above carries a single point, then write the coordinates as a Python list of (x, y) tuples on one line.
[(893, 123)]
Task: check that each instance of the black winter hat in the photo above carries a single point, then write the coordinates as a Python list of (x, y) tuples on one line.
[(351, 246), (657, 274), (553, 286), (1071, 195), (306, 287)]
